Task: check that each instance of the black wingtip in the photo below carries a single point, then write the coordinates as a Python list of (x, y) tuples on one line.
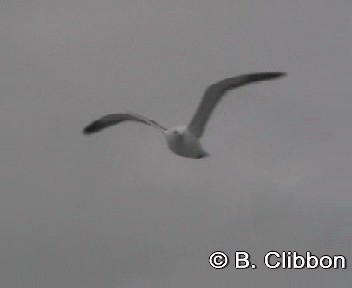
[(92, 128), (281, 74), (265, 76), (274, 74)]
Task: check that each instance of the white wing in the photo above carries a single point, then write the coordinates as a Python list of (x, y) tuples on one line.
[(114, 119), (214, 93)]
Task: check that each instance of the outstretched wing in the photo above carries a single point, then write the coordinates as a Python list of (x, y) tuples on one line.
[(114, 119), (214, 93)]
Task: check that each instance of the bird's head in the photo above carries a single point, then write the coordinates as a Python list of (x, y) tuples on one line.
[(176, 131)]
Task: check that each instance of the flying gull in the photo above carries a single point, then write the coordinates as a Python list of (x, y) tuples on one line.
[(185, 140)]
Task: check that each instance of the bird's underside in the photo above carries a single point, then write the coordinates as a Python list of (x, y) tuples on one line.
[(184, 141)]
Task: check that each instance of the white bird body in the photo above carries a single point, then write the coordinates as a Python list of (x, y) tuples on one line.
[(184, 143), (185, 140)]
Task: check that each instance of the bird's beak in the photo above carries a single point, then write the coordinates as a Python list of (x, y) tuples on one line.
[(206, 154)]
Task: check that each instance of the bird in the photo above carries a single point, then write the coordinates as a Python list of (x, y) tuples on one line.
[(185, 140)]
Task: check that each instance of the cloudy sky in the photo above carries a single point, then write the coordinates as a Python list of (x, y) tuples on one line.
[(118, 209)]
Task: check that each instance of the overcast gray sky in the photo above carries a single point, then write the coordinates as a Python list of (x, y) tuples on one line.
[(119, 209)]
